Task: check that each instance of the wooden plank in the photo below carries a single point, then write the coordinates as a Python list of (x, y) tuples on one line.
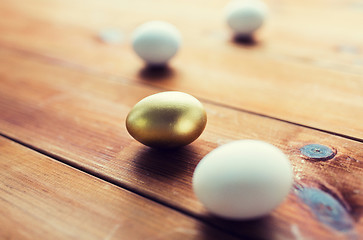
[(43, 199), (298, 57), (80, 118), (287, 26)]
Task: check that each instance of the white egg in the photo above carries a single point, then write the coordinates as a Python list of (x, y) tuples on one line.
[(243, 179), (156, 42), (244, 17)]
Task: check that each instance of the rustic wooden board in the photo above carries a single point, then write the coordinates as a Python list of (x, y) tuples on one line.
[(43, 199), (79, 119), (322, 38), (302, 68)]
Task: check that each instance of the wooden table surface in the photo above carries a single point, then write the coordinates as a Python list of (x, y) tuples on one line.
[(69, 77)]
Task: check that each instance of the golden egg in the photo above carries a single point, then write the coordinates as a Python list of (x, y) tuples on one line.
[(167, 120)]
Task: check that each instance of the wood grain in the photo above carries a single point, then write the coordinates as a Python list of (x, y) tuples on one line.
[(303, 67), (44, 199), (79, 119)]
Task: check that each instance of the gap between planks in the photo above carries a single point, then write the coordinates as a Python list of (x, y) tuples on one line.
[(60, 199), (119, 184), (66, 157), (112, 77), (281, 83)]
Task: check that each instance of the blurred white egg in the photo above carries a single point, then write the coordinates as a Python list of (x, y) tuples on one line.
[(156, 42), (244, 17), (243, 179)]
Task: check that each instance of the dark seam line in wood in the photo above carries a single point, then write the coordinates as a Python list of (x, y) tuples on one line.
[(87, 70), (114, 182)]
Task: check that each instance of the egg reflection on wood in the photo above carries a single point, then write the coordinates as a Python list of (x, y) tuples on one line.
[(167, 120)]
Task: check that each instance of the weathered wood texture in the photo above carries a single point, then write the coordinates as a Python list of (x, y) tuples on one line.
[(66, 92), (79, 117), (43, 199), (303, 68)]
